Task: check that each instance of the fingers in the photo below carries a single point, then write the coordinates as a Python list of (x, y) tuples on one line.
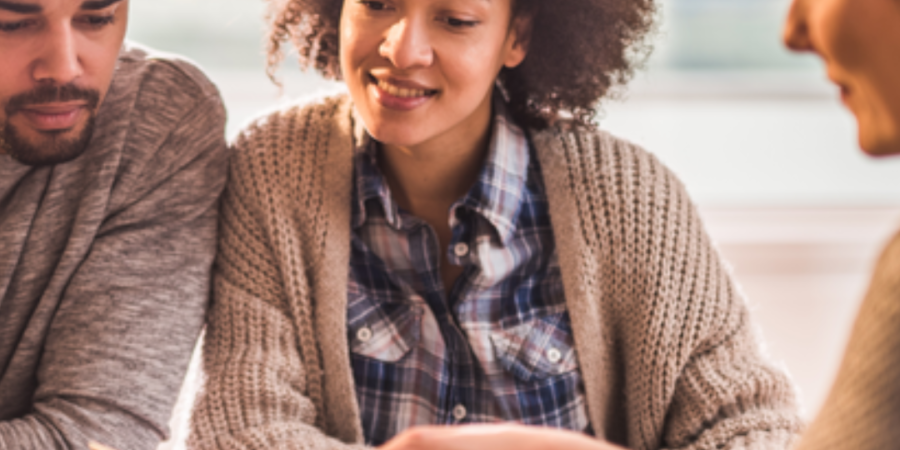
[(98, 446), (506, 436)]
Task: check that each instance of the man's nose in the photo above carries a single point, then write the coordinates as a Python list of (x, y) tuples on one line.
[(58, 60)]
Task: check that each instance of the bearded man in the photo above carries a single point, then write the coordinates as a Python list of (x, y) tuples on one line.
[(112, 159)]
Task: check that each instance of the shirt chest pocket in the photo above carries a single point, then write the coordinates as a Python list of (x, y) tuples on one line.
[(386, 333), (537, 349)]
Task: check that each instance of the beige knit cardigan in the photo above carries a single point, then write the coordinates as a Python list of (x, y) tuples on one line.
[(664, 341), (862, 411)]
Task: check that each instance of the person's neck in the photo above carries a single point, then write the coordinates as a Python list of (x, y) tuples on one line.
[(436, 173)]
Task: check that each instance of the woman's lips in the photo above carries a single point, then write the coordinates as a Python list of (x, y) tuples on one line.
[(400, 95)]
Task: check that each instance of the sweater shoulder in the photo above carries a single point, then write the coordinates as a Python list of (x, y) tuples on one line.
[(603, 161), (297, 118), (162, 88), (161, 116), (284, 150)]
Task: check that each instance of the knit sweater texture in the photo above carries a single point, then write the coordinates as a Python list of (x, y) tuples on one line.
[(862, 412), (664, 340)]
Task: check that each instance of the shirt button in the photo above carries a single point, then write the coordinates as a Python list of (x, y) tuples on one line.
[(364, 334), (459, 412), (461, 249), (553, 355)]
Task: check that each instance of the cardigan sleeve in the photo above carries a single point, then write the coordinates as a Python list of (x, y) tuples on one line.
[(697, 352), (257, 391), (728, 396), (679, 366)]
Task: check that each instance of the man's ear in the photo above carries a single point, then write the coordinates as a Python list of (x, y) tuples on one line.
[(520, 35)]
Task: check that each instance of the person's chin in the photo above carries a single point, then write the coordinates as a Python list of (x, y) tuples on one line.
[(399, 132), (879, 144), (48, 147), (397, 138)]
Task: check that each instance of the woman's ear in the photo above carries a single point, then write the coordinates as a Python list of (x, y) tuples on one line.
[(519, 39)]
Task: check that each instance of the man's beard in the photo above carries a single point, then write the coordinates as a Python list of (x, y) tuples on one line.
[(55, 149)]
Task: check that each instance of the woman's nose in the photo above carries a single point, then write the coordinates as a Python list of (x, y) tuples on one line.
[(407, 45), (796, 28)]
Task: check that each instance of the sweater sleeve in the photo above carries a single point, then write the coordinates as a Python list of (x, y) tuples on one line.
[(862, 411), (680, 366), (700, 355), (699, 344), (729, 396), (257, 391)]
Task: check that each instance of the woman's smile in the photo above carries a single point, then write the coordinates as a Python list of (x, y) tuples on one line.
[(422, 72), (399, 94)]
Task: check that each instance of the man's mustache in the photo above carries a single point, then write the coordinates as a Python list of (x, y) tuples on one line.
[(52, 94)]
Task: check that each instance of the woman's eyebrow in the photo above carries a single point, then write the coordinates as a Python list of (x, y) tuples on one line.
[(95, 5), (21, 8)]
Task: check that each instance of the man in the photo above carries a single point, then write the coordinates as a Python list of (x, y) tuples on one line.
[(111, 163)]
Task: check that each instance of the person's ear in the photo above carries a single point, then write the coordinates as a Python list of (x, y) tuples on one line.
[(519, 39)]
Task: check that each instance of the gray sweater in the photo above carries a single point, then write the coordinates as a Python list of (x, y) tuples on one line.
[(104, 264)]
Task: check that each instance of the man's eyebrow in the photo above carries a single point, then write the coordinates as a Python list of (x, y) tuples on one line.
[(96, 5), (21, 8)]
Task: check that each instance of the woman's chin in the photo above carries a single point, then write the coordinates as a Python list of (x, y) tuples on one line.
[(880, 144)]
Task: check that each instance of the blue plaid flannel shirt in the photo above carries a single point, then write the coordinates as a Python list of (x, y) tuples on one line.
[(501, 347)]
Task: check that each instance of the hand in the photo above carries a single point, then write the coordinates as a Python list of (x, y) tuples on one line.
[(493, 437)]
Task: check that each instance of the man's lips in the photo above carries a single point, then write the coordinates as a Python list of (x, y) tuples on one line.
[(53, 117)]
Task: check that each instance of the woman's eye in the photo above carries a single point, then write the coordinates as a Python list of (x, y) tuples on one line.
[(460, 23), (374, 5)]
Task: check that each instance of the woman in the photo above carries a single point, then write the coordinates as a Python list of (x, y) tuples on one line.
[(859, 40), (453, 242)]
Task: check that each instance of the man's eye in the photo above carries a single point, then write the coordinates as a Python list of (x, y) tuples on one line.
[(9, 27), (98, 21)]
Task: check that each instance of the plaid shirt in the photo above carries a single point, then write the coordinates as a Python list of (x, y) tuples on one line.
[(500, 348)]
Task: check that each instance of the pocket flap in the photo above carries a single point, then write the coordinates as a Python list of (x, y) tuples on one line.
[(386, 337), (537, 349)]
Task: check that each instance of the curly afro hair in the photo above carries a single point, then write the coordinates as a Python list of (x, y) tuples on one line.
[(579, 50)]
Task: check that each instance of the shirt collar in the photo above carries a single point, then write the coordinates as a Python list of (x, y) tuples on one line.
[(497, 195), (371, 185)]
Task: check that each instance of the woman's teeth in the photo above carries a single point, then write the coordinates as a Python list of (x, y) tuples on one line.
[(400, 92)]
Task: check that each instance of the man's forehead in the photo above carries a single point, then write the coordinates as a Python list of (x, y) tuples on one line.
[(33, 7)]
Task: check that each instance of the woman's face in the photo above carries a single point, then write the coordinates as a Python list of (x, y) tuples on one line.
[(859, 41), (422, 71)]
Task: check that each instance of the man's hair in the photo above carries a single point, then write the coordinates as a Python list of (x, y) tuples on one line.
[(578, 51)]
